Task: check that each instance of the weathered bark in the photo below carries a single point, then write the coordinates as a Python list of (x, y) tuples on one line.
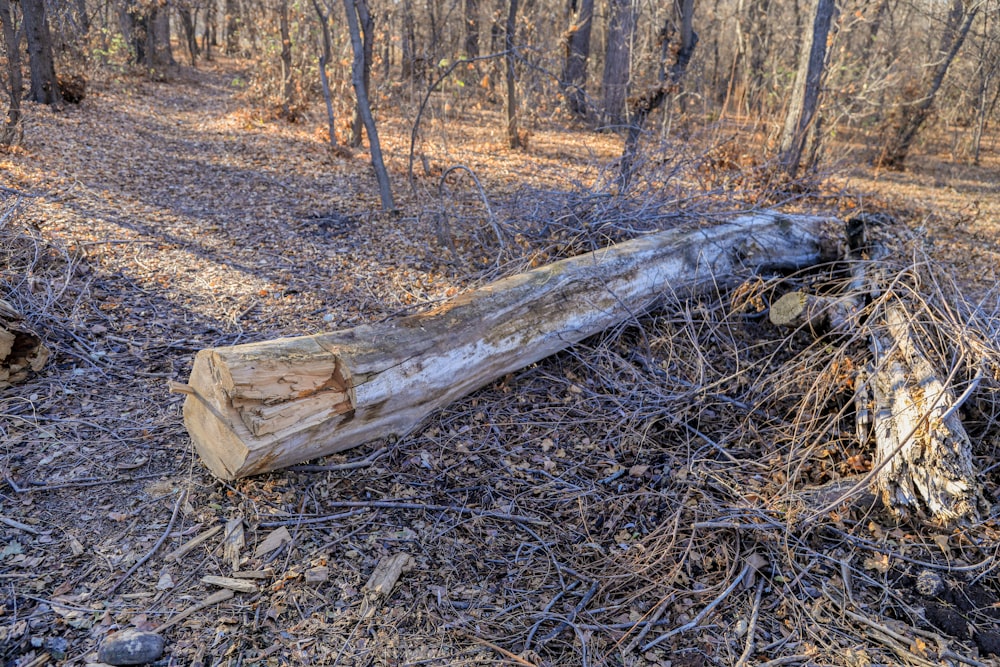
[(232, 27), (21, 349), (640, 109), (617, 62), (147, 29), (756, 44), (408, 45), (922, 449), (44, 86), (262, 406), (573, 81), (804, 103), (903, 130), (513, 137), (324, 60), (209, 37), (159, 53), (13, 129), (351, 8), (188, 19)]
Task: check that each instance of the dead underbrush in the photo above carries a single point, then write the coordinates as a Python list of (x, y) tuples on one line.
[(649, 497)]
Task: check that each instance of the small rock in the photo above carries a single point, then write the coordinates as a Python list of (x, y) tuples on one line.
[(57, 647), (929, 583), (131, 647)]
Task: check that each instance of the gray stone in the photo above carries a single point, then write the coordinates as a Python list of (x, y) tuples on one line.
[(131, 647)]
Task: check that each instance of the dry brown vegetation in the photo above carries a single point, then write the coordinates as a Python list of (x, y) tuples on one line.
[(650, 497)]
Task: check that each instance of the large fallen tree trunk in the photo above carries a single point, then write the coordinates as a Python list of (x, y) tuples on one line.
[(21, 349), (262, 406)]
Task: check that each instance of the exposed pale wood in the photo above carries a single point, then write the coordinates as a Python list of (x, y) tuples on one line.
[(819, 314), (923, 452), (21, 349), (180, 551), (262, 406), (233, 542), (233, 584), (213, 599)]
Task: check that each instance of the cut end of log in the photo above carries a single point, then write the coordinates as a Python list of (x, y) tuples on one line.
[(245, 409), (819, 314), (787, 311), (21, 349)]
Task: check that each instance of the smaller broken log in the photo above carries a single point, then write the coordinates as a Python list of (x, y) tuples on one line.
[(923, 453), (923, 456), (261, 406), (21, 349)]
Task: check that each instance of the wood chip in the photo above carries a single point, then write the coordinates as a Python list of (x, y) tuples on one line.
[(213, 599), (273, 541), (387, 573), (180, 551), (233, 542), (238, 585)]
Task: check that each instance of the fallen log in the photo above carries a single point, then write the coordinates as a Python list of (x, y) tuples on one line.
[(923, 456), (21, 349), (262, 406)]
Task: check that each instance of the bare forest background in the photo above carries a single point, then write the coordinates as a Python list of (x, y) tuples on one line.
[(806, 82)]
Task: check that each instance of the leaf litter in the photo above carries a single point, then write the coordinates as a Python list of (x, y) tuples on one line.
[(635, 500)]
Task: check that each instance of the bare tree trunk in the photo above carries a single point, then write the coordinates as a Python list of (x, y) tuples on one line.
[(574, 74), (159, 53), (13, 130), (287, 86), (471, 28), (757, 43), (364, 108), (44, 86), (324, 59), (188, 19), (617, 62), (367, 26), (232, 28), (903, 130), (209, 36), (689, 40), (408, 44), (640, 109), (513, 138), (805, 91)]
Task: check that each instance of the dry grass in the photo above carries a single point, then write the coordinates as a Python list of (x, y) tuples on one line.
[(648, 497)]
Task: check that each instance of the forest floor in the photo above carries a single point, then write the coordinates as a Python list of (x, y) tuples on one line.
[(160, 218)]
